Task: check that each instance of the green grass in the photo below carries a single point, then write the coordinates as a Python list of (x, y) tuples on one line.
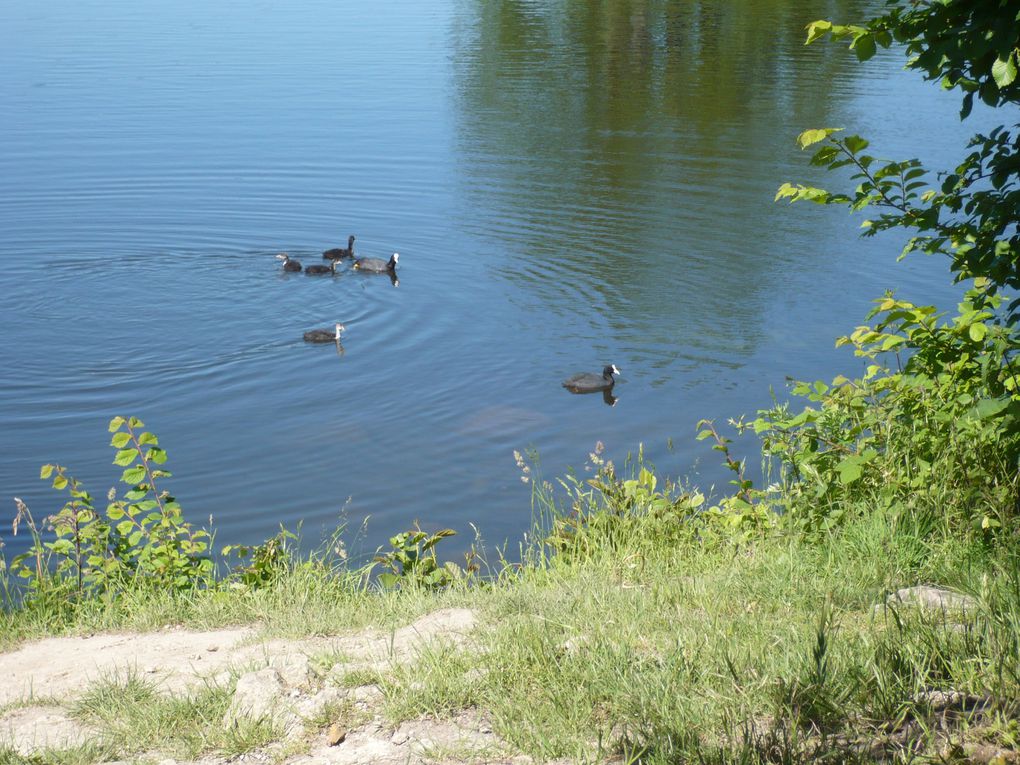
[(86, 754), (650, 637), (701, 653), (307, 600), (129, 710)]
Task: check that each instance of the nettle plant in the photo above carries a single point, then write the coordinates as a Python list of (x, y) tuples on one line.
[(411, 560), (140, 538)]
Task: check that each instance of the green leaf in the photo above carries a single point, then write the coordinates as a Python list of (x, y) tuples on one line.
[(817, 29), (134, 423), (133, 475), (810, 137), (125, 457), (1004, 70), (388, 580), (855, 143), (62, 547), (148, 438), (977, 332), (46, 471), (988, 407), (850, 469), (116, 423), (864, 46), (59, 482), (120, 440)]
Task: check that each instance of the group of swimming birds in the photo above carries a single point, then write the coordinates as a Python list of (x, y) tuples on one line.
[(335, 255), (587, 382)]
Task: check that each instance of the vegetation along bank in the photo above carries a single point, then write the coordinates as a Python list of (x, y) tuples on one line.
[(861, 604)]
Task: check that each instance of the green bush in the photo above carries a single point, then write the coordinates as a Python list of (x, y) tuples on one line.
[(140, 539), (930, 426)]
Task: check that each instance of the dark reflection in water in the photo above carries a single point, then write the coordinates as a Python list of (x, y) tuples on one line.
[(628, 152)]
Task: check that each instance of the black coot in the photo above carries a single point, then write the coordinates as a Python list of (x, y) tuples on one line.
[(589, 382), (324, 335), (378, 265)]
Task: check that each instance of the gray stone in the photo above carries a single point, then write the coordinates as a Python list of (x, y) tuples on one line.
[(256, 696), (294, 669), (932, 598)]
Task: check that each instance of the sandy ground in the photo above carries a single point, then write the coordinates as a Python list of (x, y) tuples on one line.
[(40, 681)]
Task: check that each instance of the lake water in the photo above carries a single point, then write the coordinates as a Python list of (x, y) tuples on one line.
[(569, 184)]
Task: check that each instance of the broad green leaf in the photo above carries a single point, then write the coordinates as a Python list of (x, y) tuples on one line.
[(1004, 70), (120, 440), (61, 547), (810, 137), (59, 482), (988, 407), (817, 29), (977, 332), (116, 423), (849, 469), (46, 471), (864, 46), (148, 438), (855, 143), (133, 474), (125, 457)]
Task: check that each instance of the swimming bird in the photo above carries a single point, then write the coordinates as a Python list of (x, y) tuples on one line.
[(288, 264), (378, 265), (319, 270), (589, 382), (341, 252), (324, 335)]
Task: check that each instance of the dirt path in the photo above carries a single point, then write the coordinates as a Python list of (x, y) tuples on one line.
[(276, 679)]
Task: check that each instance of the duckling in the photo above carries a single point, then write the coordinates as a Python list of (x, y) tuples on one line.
[(319, 270), (288, 263), (341, 252)]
